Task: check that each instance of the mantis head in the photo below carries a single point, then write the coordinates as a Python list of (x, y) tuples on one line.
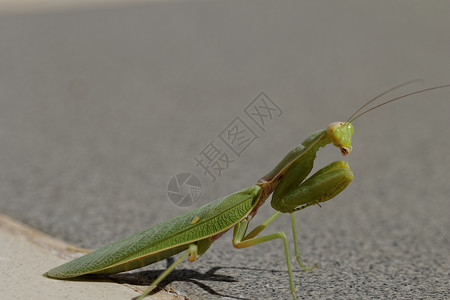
[(341, 134)]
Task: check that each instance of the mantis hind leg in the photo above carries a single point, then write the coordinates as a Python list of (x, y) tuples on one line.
[(191, 253)]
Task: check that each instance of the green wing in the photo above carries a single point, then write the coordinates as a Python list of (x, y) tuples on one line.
[(163, 240)]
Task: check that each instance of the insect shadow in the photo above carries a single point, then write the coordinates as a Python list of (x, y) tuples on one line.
[(187, 275), (146, 277)]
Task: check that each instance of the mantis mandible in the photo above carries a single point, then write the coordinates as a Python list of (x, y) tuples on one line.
[(195, 231)]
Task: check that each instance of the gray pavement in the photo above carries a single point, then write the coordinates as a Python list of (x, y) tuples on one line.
[(101, 107)]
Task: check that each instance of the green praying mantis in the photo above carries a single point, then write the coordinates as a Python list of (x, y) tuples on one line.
[(195, 231)]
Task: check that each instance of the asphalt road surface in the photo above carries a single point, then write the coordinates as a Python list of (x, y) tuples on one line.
[(100, 108)]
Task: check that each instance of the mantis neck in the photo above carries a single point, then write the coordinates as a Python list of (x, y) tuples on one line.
[(306, 151)]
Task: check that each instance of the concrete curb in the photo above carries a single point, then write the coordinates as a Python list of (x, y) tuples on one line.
[(26, 253)]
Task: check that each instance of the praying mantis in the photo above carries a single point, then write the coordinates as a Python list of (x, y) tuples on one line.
[(195, 231)]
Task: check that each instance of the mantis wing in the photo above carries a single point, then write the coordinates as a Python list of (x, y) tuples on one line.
[(163, 240)]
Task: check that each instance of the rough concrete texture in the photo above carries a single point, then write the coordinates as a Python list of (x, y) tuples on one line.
[(26, 254), (100, 108)]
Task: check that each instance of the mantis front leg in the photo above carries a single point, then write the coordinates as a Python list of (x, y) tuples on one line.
[(321, 186)]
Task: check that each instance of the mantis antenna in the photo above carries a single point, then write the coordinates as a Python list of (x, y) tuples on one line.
[(355, 115)]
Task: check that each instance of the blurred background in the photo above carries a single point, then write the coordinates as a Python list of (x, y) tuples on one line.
[(103, 102)]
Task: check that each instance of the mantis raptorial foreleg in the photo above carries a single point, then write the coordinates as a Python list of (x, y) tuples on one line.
[(321, 186)]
